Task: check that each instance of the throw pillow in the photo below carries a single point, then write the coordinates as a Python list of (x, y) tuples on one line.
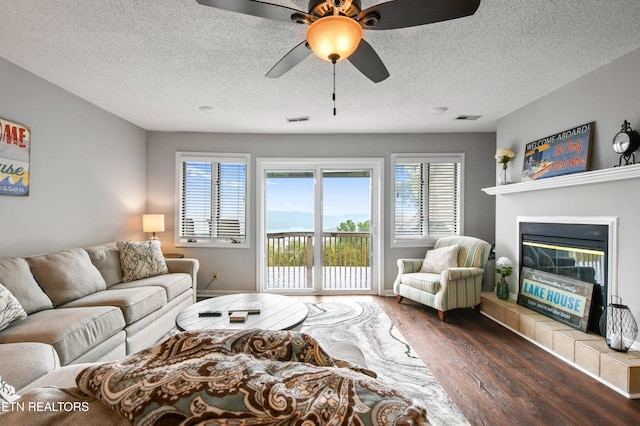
[(10, 308), (438, 260), (141, 260), (106, 258), (66, 275), (17, 277), (7, 392)]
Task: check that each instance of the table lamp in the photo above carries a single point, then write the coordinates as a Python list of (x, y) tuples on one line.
[(153, 223)]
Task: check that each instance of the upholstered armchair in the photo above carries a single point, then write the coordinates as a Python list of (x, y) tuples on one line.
[(449, 277)]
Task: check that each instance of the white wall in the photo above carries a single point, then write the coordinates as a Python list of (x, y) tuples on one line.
[(237, 267), (607, 96), (88, 170)]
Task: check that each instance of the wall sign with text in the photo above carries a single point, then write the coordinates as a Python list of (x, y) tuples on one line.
[(560, 154), (15, 145), (561, 298)]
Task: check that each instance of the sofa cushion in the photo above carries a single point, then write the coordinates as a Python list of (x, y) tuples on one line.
[(10, 308), (173, 284), (437, 260), (422, 281), (66, 275), (61, 377), (141, 260), (71, 331), (134, 303), (29, 361), (106, 258), (16, 276)]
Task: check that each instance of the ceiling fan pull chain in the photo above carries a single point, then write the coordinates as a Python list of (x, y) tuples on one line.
[(334, 86)]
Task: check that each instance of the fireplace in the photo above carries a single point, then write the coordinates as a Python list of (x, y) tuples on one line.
[(576, 248)]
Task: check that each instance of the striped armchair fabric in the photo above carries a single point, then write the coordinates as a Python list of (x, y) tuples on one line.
[(452, 288)]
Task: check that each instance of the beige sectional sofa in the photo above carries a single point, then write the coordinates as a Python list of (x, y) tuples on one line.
[(83, 306)]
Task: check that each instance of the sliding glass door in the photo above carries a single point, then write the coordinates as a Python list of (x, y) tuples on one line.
[(290, 229), (346, 236), (317, 228)]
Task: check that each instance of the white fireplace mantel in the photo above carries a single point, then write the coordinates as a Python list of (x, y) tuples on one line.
[(584, 178)]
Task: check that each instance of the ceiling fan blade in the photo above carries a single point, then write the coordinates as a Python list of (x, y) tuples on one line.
[(256, 8), (290, 60), (409, 13), (367, 61)]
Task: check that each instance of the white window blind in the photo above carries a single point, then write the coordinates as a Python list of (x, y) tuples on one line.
[(427, 197), (212, 199)]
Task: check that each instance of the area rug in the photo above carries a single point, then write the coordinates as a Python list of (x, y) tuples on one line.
[(387, 352)]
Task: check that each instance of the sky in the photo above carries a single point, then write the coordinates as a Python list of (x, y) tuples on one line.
[(341, 195)]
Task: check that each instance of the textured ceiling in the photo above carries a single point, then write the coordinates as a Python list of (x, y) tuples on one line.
[(155, 62)]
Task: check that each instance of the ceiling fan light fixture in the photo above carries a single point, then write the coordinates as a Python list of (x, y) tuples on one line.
[(334, 37)]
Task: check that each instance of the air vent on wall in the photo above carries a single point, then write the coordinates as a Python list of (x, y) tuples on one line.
[(297, 119), (468, 117)]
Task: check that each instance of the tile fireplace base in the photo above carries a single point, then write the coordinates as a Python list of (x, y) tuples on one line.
[(586, 351)]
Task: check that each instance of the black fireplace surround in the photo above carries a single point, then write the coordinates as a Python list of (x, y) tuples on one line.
[(574, 250)]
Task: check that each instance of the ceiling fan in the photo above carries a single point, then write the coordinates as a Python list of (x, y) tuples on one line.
[(335, 27)]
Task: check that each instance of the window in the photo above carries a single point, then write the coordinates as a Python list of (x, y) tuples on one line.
[(212, 199), (427, 197)]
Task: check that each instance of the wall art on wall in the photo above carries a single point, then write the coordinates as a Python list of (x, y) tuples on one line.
[(562, 153), (15, 146)]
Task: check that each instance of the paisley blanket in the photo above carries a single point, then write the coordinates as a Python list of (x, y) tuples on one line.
[(248, 377)]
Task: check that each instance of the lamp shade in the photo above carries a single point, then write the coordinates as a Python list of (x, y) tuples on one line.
[(152, 223), (334, 36)]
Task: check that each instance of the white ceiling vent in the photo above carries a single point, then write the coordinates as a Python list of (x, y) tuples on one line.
[(468, 117)]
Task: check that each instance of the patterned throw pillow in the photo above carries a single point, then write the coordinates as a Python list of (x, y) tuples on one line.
[(141, 260), (7, 392), (10, 308)]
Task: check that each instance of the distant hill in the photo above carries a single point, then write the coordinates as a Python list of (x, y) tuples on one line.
[(291, 221)]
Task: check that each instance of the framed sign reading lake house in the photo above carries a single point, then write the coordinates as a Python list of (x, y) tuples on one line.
[(15, 145), (559, 154), (564, 299)]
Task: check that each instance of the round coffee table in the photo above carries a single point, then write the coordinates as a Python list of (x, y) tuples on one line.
[(276, 313)]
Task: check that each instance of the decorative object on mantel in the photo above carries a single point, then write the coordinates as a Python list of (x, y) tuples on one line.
[(625, 142), (618, 326), (563, 153), (504, 267), (15, 146), (504, 155)]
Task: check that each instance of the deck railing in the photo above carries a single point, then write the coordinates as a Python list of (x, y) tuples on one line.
[(346, 260)]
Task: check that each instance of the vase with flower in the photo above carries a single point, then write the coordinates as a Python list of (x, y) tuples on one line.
[(505, 268), (504, 156)]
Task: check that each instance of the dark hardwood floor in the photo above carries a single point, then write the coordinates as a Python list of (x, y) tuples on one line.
[(498, 378)]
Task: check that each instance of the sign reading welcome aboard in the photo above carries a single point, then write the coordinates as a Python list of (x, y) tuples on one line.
[(564, 299), (563, 153), (15, 144)]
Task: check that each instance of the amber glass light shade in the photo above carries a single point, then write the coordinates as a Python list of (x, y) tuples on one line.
[(334, 36)]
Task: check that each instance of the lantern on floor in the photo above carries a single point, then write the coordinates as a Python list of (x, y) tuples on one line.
[(618, 326)]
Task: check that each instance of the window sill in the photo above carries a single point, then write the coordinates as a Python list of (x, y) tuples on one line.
[(584, 178), (423, 242), (209, 244)]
